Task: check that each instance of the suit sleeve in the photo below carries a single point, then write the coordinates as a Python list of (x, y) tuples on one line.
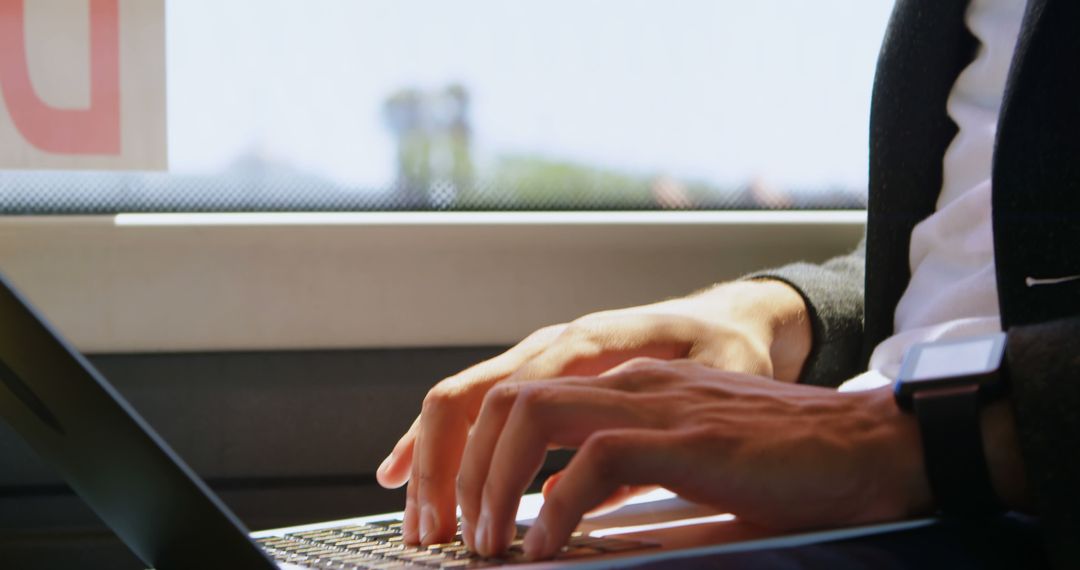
[(833, 292), (1044, 371)]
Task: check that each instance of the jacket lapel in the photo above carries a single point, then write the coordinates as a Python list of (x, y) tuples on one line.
[(926, 46), (1036, 188)]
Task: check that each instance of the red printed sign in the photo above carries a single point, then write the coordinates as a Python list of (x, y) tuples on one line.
[(109, 54)]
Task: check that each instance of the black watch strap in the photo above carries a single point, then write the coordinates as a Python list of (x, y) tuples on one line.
[(953, 447)]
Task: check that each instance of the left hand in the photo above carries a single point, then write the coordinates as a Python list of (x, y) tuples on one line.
[(779, 455), (758, 327)]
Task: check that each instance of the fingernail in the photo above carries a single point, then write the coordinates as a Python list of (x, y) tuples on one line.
[(429, 522), (386, 463), (481, 538), (536, 540)]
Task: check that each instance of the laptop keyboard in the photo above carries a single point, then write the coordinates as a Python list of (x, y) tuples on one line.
[(378, 545)]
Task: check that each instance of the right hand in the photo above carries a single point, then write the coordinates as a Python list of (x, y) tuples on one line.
[(728, 327)]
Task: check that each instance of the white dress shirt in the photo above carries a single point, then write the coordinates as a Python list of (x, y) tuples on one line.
[(953, 291)]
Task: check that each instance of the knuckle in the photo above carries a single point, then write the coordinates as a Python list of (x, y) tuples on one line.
[(427, 477), (501, 394), (587, 321), (550, 331), (438, 398), (533, 396), (583, 328), (707, 437), (466, 491), (646, 368), (490, 492), (604, 453)]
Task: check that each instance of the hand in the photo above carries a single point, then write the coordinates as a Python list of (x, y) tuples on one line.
[(756, 327), (778, 455)]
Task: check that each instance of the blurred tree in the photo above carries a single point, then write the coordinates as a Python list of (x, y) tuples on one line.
[(434, 158), (404, 115)]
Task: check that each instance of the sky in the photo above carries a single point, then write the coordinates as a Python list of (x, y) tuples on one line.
[(722, 91)]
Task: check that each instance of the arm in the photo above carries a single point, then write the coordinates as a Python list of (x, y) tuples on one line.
[(833, 295), (766, 325), (1044, 371)]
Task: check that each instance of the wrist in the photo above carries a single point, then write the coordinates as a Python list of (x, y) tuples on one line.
[(902, 451), (1003, 455), (971, 453), (770, 311), (900, 454)]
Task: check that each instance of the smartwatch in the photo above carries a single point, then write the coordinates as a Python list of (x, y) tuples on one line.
[(945, 384)]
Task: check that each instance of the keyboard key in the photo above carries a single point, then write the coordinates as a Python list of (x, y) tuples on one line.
[(378, 545), (381, 535)]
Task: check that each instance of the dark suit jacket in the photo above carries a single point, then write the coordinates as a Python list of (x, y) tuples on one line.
[(1036, 217)]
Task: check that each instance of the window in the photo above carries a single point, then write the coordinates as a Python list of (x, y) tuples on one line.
[(338, 105)]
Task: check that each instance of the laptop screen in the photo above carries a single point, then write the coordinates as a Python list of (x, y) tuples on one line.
[(78, 423)]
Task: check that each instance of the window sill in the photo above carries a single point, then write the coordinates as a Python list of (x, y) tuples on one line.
[(188, 282)]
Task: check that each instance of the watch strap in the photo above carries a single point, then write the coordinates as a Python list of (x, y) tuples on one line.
[(949, 424)]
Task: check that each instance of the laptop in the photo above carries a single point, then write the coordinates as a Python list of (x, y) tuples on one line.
[(77, 422)]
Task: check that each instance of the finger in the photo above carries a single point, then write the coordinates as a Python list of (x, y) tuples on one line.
[(607, 461), (550, 483), (478, 451), (432, 462), (394, 470), (410, 528), (473, 469), (540, 416), (470, 385), (446, 428)]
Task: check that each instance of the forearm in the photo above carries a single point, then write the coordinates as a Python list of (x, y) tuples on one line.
[(1044, 377), (900, 451), (833, 296)]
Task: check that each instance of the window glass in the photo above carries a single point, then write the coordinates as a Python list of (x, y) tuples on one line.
[(484, 104)]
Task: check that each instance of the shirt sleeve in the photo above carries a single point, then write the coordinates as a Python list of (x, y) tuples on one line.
[(833, 292), (1044, 373)]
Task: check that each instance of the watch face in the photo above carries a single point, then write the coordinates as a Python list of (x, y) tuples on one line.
[(948, 364), (954, 359)]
